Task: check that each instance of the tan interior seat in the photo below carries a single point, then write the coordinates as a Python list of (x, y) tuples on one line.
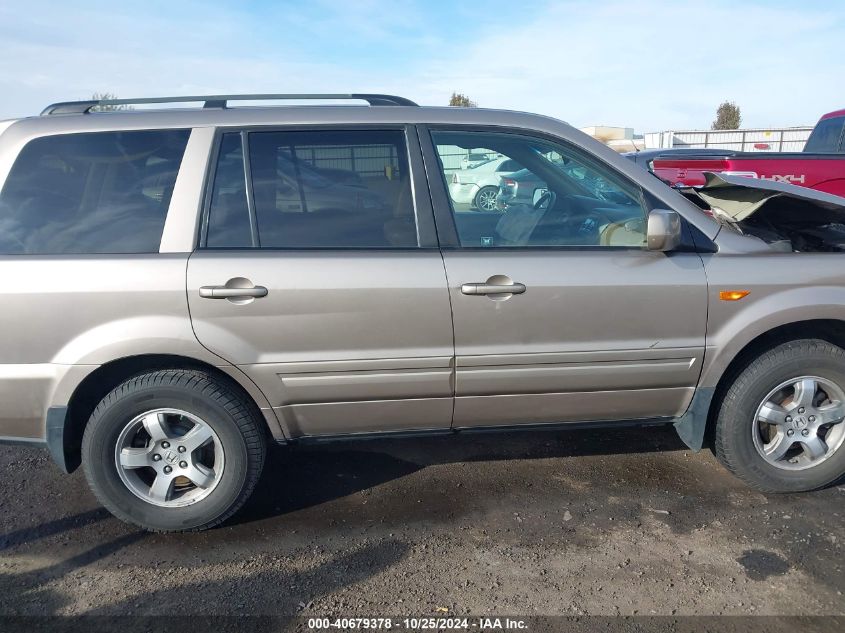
[(630, 233)]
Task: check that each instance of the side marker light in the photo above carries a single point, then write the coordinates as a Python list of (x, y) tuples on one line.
[(733, 295)]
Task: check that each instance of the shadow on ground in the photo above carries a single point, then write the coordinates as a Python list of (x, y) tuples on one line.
[(319, 473)]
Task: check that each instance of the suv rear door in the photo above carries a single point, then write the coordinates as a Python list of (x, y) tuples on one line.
[(560, 314), (318, 274)]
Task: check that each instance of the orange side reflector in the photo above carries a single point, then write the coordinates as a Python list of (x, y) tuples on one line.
[(733, 295)]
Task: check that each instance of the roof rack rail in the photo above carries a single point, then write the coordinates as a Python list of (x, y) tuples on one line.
[(219, 101)]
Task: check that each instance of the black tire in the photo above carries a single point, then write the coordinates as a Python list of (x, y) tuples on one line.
[(234, 419), (733, 439), (477, 201)]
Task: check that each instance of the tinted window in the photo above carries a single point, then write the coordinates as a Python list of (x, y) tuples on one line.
[(326, 189), (103, 192), (563, 197), (826, 135), (228, 218)]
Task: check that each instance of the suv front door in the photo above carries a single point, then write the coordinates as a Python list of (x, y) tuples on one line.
[(560, 313), (319, 276)]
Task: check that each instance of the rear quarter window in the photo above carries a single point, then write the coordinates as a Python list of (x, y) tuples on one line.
[(98, 193)]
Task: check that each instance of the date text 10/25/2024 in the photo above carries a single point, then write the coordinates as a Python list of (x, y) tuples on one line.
[(418, 624)]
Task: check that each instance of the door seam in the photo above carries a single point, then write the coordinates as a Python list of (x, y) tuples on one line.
[(454, 363)]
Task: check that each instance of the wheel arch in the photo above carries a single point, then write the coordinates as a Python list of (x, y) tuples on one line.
[(65, 429), (696, 426), (830, 330)]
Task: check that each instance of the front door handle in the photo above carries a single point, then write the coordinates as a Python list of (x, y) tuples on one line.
[(225, 292), (238, 290), (488, 288)]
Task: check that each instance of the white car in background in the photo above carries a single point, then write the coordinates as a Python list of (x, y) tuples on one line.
[(476, 158), (478, 186)]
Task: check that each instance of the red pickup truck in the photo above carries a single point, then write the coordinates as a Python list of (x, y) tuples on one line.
[(820, 166)]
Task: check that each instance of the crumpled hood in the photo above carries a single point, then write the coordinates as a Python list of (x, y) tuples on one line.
[(739, 197)]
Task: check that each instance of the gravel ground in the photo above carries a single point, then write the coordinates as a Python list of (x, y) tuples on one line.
[(577, 522)]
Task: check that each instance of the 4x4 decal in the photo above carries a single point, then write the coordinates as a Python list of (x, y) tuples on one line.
[(789, 178)]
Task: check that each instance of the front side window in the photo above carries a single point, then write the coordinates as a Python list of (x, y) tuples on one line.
[(319, 189), (99, 192), (557, 195)]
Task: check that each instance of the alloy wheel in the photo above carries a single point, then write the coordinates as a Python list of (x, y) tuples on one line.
[(486, 199), (169, 457), (799, 424)]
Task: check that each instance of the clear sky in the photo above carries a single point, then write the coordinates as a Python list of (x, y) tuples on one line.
[(650, 64)]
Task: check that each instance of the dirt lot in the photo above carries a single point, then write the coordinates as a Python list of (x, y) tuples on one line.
[(622, 522)]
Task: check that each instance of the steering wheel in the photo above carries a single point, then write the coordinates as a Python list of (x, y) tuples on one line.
[(588, 224), (550, 197), (583, 226)]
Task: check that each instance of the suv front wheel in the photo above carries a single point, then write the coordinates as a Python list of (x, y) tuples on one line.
[(173, 450), (781, 425)]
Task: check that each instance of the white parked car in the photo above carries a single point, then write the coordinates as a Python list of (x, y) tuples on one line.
[(478, 186), (474, 159)]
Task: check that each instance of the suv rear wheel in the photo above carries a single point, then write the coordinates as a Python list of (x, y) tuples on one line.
[(781, 425), (173, 450)]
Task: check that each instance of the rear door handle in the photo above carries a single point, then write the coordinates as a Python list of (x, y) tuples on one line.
[(493, 289), (222, 292)]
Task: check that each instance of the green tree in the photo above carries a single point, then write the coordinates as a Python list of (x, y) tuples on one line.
[(107, 96), (728, 117), (461, 100)]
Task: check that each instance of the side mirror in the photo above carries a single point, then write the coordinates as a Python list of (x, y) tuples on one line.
[(664, 230)]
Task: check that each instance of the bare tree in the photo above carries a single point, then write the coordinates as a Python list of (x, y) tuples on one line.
[(107, 96), (461, 100), (728, 117)]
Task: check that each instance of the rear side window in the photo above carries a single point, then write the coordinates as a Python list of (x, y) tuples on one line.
[(320, 189), (826, 136), (100, 192)]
